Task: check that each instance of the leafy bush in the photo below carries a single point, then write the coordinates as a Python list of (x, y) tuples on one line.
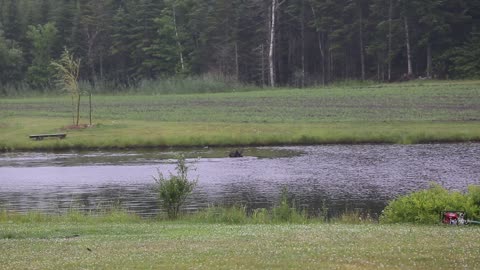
[(174, 191), (424, 207)]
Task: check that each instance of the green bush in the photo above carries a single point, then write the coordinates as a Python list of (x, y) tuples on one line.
[(173, 191), (424, 207)]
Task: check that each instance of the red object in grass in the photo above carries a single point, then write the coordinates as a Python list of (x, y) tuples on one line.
[(454, 218), (450, 217)]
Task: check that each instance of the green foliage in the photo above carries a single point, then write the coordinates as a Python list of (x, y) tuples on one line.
[(467, 58), (207, 83), (173, 191), (354, 217), (226, 215), (129, 41), (43, 38), (286, 211), (424, 207), (67, 74), (11, 63), (72, 216)]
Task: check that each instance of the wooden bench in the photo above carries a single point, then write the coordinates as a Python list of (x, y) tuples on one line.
[(40, 137)]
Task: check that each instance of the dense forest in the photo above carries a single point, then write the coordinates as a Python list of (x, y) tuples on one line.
[(263, 42)]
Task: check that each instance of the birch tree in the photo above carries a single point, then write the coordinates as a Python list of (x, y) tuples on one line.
[(67, 74), (271, 46)]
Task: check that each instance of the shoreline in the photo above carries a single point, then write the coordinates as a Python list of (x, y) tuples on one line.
[(233, 146), (145, 135)]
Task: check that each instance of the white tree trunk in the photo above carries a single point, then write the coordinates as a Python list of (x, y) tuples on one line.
[(362, 50), (271, 44), (320, 46), (409, 53), (182, 64), (389, 59)]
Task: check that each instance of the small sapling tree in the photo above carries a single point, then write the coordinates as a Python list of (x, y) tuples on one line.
[(174, 190), (67, 73)]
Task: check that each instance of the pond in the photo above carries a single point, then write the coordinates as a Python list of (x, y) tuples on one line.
[(334, 177)]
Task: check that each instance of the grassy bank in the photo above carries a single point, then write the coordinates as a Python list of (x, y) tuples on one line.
[(396, 113), (180, 245)]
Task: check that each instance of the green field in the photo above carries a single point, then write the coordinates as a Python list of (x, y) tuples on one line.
[(176, 245), (415, 112)]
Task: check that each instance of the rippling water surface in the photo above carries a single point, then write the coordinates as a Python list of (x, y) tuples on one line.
[(338, 177)]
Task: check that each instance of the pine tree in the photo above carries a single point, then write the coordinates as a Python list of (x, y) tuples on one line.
[(43, 39)]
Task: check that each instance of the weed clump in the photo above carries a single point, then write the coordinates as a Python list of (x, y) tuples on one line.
[(174, 190), (284, 212)]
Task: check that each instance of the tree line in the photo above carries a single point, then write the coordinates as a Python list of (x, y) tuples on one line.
[(263, 42)]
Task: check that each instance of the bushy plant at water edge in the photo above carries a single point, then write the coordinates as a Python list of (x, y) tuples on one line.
[(174, 190), (425, 206), (286, 211)]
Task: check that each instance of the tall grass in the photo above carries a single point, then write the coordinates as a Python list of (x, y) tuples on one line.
[(207, 83), (284, 212), (71, 216)]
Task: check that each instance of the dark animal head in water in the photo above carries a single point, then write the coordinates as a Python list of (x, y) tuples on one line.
[(235, 154)]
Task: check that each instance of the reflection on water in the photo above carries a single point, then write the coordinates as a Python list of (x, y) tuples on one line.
[(358, 177)]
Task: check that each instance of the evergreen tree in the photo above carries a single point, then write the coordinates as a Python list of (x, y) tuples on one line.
[(43, 39), (11, 62), (467, 59), (313, 41)]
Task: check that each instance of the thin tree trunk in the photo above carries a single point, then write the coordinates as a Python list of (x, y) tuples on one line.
[(303, 44), (91, 39), (347, 66), (389, 57), (409, 53), (378, 70), (237, 68), (78, 109), (271, 44), (322, 54), (263, 66), (321, 48), (429, 60), (331, 71), (90, 107), (73, 109), (101, 66), (362, 51), (91, 61), (177, 39)]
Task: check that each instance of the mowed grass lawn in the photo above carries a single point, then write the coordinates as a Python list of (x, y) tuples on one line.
[(169, 245), (415, 112)]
